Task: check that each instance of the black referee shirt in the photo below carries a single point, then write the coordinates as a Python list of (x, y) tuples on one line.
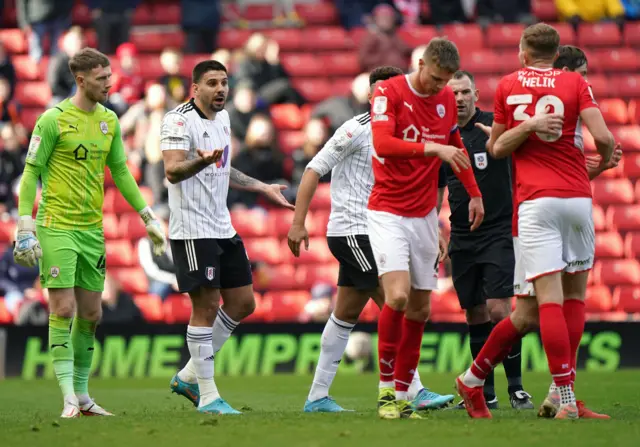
[(494, 179)]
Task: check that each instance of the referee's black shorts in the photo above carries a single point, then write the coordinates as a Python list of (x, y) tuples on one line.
[(214, 263), (357, 264), (482, 270)]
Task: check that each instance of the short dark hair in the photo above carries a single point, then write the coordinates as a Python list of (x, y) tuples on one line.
[(86, 60), (443, 53), (384, 73), (541, 40), (205, 66), (570, 57), (461, 74)]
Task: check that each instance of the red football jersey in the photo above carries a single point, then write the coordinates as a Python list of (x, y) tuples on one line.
[(547, 166), (406, 182)]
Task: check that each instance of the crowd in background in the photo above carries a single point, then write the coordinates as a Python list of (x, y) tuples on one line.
[(258, 80)]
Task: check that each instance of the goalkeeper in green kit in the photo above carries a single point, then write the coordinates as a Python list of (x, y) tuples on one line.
[(68, 151)]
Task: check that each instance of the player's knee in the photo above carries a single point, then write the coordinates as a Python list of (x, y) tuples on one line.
[(243, 307), (477, 314), (418, 311), (397, 300), (65, 310), (91, 314), (525, 321)]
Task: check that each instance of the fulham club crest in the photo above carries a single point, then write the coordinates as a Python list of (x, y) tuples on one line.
[(441, 110), (103, 127), (210, 273)]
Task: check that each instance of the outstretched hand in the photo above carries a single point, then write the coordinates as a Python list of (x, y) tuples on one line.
[(274, 194), (210, 157)]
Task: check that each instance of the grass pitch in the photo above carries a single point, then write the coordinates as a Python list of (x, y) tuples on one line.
[(147, 414)]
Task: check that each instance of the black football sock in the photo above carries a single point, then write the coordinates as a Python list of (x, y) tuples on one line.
[(478, 334), (513, 367)]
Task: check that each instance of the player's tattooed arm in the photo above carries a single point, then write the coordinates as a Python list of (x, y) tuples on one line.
[(178, 168), (243, 182)]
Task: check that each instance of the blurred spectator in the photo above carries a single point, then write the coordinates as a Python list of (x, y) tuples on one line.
[(416, 56), (201, 21), (383, 46), (223, 56), (117, 305), (631, 9), (575, 11), (112, 22), (11, 166), (41, 19), (15, 281), (59, 77), (338, 109), (260, 159), (409, 10), (353, 12), (284, 14), (7, 70), (262, 69), (242, 109), (316, 135), (10, 112), (127, 86), (500, 11), (144, 120), (177, 85), (319, 307), (160, 270)]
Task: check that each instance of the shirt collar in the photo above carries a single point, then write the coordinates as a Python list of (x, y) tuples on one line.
[(471, 124), (197, 109)]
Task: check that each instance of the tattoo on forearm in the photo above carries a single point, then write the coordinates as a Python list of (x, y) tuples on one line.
[(185, 170), (242, 180)]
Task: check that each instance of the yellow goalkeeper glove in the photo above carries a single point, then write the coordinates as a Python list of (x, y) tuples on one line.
[(154, 230)]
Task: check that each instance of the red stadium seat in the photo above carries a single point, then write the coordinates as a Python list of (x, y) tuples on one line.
[(290, 140), (36, 94), (233, 38), (267, 249), (28, 117), (286, 116), (277, 277), (370, 313), (318, 221), (609, 245), (314, 90), (615, 272), (634, 111), (357, 34), (119, 253), (303, 64), (287, 39), (627, 136), (177, 309), (319, 254), (119, 204), (467, 37), (631, 165), (445, 303), (637, 191), (598, 299), (567, 35), (154, 41), (322, 197), (132, 280), (504, 36), (598, 35), (131, 226), (342, 86), (623, 218), (110, 225), (615, 111), (150, 307), (627, 86), (166, 14), (279, 222), (627, 298), (602, 86), (310, 275), (418, 35), (81, 15), (7, 230), (632, 34), (487, 85), (286, 306), (249, 223), (142, 15), (344, 63), (544, 10), (27, 69), (613, 191), (326, 38), (5, 315), (483, 62), (618, 60), (632, 245), (14, 41), (258, 12), (318, 13)]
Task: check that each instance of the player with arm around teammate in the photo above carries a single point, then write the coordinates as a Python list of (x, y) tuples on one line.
[(348, 156), (555, 224), (69, 149), (210, 258)]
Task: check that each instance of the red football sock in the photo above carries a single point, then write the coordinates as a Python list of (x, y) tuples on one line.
[(495, 349), (555, 340), (389, 332), (574, 315), (408, 353)]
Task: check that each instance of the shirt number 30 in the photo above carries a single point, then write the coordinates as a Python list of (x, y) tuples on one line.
[(544, 105)]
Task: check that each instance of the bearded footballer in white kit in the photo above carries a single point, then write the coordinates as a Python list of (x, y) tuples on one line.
[(210, 258), (347, 155)]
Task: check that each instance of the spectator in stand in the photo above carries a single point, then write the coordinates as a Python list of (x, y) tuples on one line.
[(316, 135), (383, 46), (127, 85), (43, 18), (339, 109), (144, 120), (631, 9), (447, 11), (160, 270), (353, 12), (16, 281), (261, 68), (201, 20), (7, 70), (512, 11), (242, 109), (576, 11), (12, 159), (260, 159), (177, 85), (319, 307), (59, 77), (416, 56), (10, 112), (112, 22), (118, 306), (409, 10)]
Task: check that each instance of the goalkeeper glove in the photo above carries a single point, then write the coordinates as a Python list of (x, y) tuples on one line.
[(26, 250), (154, 230)]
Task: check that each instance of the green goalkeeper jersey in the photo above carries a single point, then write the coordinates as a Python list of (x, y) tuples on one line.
[(72, 147)]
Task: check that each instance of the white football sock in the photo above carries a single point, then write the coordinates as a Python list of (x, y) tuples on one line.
[(402, 395), (201, 350), (470, 380), (334, 341), (223, 326), (188, 373), (416, 385), (389, 384)]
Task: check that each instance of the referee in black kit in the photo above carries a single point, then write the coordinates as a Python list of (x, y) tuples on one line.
[(482, 262)]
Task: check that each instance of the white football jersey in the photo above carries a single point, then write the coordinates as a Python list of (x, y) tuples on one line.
[(199, 204), (348, 156)]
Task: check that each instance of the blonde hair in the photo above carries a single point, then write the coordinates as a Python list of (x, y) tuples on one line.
[(443, 53), (541, 41)]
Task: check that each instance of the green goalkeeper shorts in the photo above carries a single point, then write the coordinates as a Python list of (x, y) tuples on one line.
[(72, 258)]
